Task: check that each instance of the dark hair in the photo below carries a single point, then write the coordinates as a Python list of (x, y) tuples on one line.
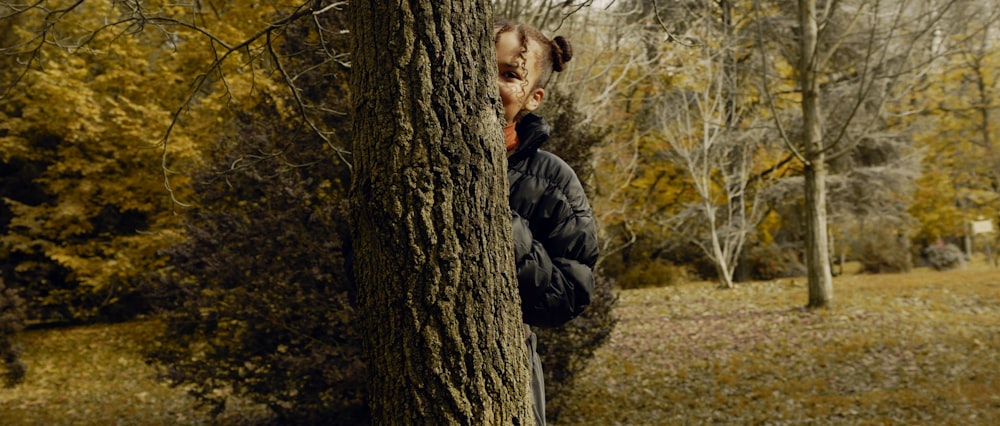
[(556, 52)]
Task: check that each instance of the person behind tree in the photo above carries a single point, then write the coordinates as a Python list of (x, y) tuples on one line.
[(555, 237)]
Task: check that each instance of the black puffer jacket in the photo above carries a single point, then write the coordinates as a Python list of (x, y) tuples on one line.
[(555, 238)]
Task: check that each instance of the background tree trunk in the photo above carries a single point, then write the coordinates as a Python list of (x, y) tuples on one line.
[(433, 255), (817, 252)]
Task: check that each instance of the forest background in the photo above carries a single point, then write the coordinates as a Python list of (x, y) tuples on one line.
[(154, 160)]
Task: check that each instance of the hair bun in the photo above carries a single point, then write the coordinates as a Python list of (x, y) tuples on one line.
[(562, 52)]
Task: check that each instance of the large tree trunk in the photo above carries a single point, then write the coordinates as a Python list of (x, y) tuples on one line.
[(433, 255), (817, 251)]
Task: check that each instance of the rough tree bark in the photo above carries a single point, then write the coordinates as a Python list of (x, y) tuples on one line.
[(433, 255)]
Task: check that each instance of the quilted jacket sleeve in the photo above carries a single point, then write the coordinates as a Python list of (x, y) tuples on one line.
[(555, 271)]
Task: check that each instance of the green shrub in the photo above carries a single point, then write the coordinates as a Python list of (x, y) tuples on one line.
[(262, 296), (654, 273), (12, 319), (771, 261), (882, 251), (941, 256), (566, 350)]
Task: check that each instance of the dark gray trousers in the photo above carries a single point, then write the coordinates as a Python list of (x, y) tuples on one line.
[(537, 380)]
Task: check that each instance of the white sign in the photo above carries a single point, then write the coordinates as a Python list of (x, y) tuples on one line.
[(982, 226)]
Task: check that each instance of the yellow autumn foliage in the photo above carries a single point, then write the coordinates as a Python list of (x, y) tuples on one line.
[(108, 108)]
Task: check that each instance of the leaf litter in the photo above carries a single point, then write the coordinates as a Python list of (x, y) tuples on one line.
[(917, 348)]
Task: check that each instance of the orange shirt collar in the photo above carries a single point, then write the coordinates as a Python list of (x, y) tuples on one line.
[(510, 137)]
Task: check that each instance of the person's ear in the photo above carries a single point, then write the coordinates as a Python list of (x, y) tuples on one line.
[(534, 99)]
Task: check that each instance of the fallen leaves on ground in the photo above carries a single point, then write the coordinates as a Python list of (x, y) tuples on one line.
[(95, 375), (918, 348), (899, 349)]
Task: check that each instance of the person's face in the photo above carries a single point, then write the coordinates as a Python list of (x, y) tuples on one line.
[(517, 75)]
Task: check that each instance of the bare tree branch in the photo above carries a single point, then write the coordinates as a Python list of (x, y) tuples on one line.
[(766, 90)]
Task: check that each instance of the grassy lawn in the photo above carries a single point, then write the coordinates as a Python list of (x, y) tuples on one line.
[(96, 375), (918, 348)]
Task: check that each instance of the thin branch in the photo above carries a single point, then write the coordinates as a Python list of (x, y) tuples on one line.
[(216, 66), (866, 84), (767, 92), (18, 12), (301, 105), (332, 6), (52, 17), (670, 36)]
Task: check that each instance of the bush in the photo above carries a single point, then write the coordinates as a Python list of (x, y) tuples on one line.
[(261, 298), (12, 319), (941, 256), (262, 291), (653, 273), (883, 251), (771, 261), (566, 350)]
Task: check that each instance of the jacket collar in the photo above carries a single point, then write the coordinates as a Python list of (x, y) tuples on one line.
[(532, 133)]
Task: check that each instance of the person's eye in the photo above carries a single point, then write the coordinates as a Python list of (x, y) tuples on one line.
[(511, 75)]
